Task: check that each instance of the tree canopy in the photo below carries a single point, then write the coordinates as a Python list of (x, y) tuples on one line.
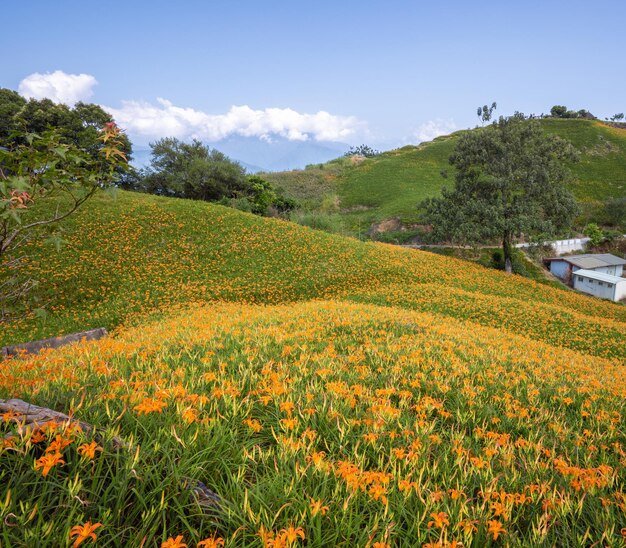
[(43, 180), (510, 181), (362, 150), (78, 125), (561, 111), (194, 171), (485, 112)]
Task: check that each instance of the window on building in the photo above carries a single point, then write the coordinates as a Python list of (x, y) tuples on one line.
[(600, 283)]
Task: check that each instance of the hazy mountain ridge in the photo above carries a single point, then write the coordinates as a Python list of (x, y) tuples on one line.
[(276, 154)]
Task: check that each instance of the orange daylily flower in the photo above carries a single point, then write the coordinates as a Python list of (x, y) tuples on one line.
[(174, 542), (84, 532), (440, 520), (213, 542), (88, 450), (495, 528), (48, 461)]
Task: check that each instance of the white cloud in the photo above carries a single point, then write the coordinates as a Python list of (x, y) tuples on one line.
[(164, 119), (58, 86), (433, 128)]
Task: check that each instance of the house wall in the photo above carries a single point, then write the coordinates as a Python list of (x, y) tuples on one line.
[(567, 246), (613, 270), (620, 291), (559, 269), (595, 287)]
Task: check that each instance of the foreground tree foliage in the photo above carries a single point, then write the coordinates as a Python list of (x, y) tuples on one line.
[(510, 181), (44, 180), (79, 125)]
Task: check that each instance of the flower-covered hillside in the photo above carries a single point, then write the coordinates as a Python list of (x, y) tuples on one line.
[(321, 424), (129, 255)]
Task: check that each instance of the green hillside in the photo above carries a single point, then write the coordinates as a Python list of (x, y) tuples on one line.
[(324, 392), (128, 255), (391, 184)]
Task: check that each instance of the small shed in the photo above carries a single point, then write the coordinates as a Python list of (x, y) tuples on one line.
[(564, 267), (600, 284)]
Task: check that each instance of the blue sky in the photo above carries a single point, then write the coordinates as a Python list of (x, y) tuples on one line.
[(386, 73)]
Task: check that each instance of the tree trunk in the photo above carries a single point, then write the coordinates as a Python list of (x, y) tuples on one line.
[(508, 254)]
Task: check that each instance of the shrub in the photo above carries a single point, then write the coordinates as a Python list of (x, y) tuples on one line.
[(594, 233)]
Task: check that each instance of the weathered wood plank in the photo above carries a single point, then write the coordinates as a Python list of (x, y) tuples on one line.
[(28, 416), (54, 342)]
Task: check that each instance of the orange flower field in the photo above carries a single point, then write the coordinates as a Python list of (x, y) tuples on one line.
[(327, 392)]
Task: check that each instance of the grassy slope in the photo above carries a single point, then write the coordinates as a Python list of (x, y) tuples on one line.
[(402, 388), (390, 185), (132, 254)]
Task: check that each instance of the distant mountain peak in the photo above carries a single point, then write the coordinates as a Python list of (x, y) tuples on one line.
[(275, 154)]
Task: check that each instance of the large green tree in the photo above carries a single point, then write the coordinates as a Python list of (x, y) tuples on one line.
[(78, 125), (510, 182), (192, 170)]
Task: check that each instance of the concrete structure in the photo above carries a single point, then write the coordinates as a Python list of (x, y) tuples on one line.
[(599, 284), (55, 342), (563, 246), (605, 263)]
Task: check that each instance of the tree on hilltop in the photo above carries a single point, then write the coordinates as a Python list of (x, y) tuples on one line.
[(558, 111), (561, 111), (193, 171), (485, 112), (362, 150), (510, 181)]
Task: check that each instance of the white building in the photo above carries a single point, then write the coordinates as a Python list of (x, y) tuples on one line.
[(605, 263), (600, 284)]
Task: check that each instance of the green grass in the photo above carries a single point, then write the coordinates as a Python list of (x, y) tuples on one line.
[(601, 172), (393, 183)]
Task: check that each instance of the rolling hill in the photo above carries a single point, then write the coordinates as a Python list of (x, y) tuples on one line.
[(391, 184), (323, 392), (127, 255)]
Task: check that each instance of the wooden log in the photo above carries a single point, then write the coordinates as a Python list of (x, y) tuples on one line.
[(30, 416), (54, 342)]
